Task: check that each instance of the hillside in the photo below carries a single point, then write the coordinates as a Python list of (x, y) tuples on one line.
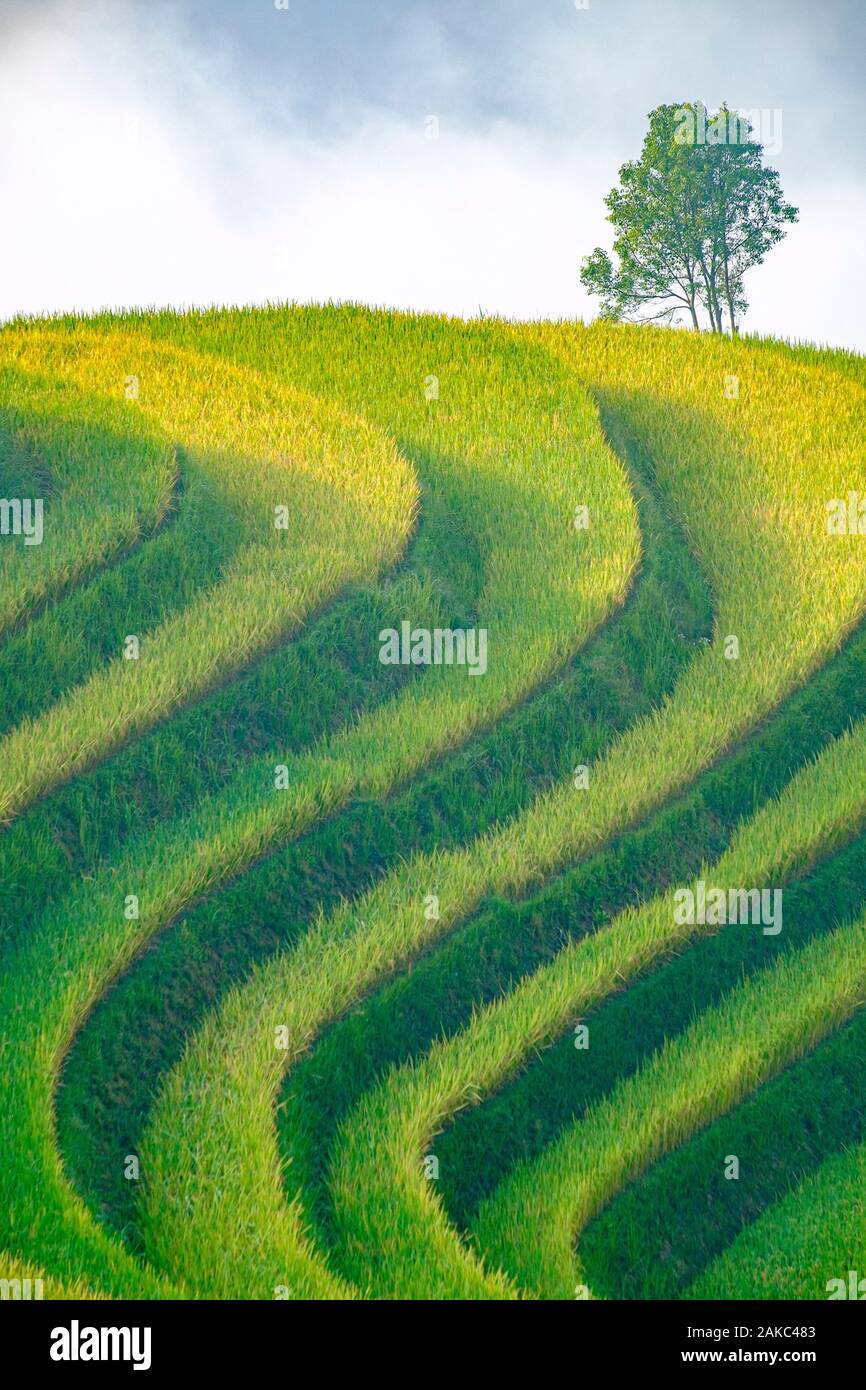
[(373, 692)]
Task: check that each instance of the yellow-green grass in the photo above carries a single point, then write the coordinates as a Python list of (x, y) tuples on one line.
[(505, 941), (377, 1166), (806, 1246), (531, 1225), (349, 499), (351, 502), (104, 474), (106, 1088), (535, 621), (660, 1233), (292, 696), (518, 484), (749, 468), (375, 365)]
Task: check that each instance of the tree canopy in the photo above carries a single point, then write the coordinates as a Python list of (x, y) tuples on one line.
[(691, 217)]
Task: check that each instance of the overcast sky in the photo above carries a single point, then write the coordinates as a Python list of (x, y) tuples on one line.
[(434, 154)]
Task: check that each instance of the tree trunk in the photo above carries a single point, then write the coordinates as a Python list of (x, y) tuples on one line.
[(712, 297), (729, 295), (733, 319)]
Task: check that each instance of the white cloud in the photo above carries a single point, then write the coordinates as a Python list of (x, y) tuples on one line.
[(135, 179)]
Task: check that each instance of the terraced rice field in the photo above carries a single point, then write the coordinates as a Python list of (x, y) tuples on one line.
[(323, 976)]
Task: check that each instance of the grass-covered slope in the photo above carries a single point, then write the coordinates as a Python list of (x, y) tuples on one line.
[(254, 848), (759, 585), (509, 481)]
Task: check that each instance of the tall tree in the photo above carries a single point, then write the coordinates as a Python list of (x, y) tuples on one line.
[(691, 217)]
